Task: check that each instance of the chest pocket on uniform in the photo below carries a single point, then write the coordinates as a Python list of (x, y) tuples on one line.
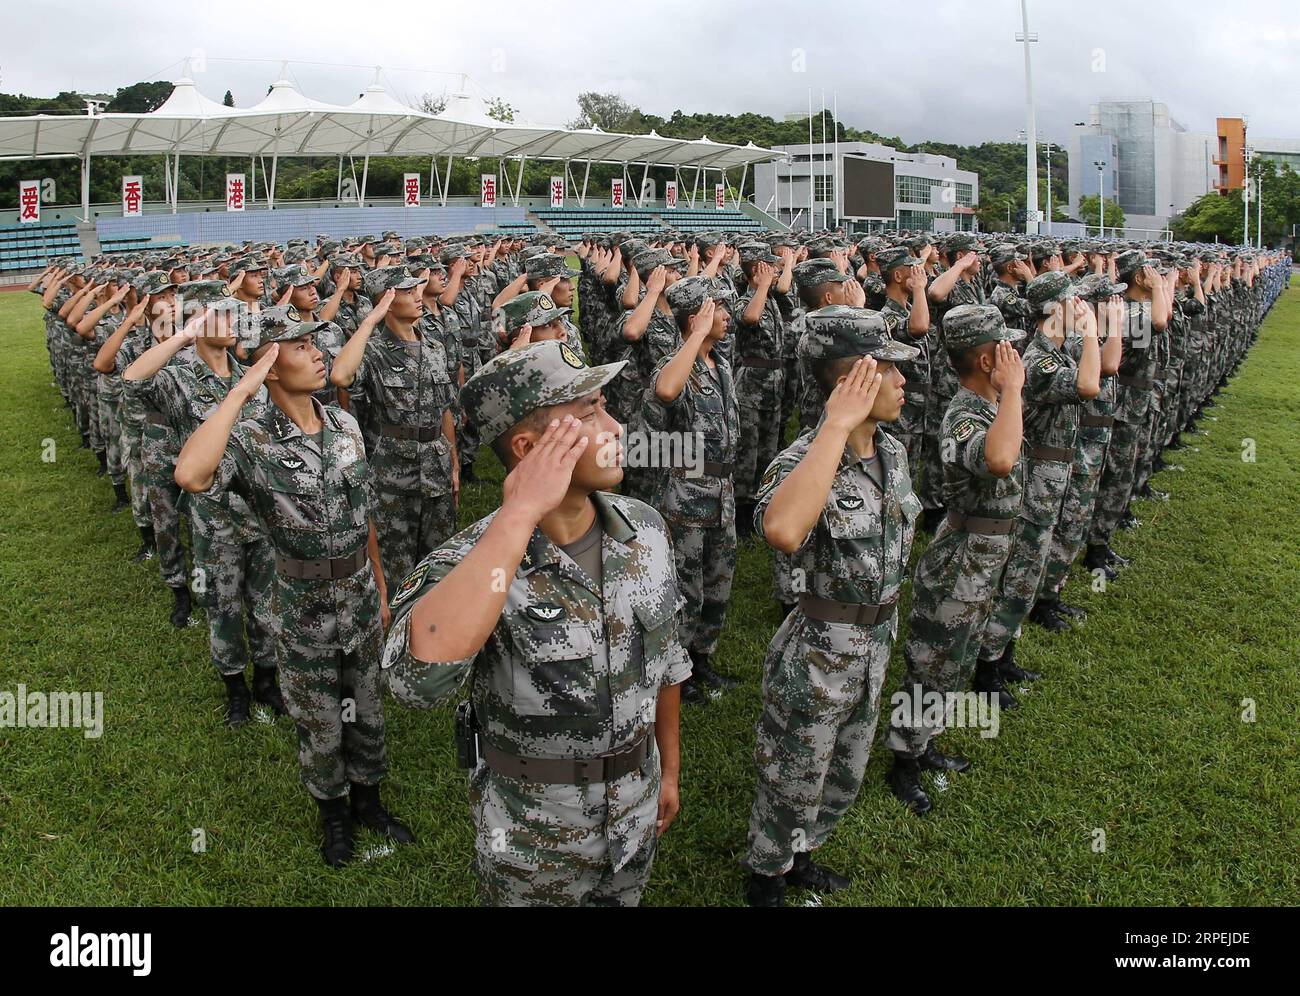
[(354, 478), (654, 639), (552, 674), (295, 503)]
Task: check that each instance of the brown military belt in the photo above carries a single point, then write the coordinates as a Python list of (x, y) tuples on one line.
[(420, 433), (1055, 454), (157, 418), (323, 568), (762, 363), (860, 614), (1141, 383), (712, 469), (979, 524), (1097, 421), (574, 770)]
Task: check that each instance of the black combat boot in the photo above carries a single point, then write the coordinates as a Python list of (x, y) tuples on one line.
[(1094, 559), (693, 691), (1130, 521), (904, 780), (744, 520), (702, 671), (147, 546), (237, 701), (85, 442), (336, 822), (765, 890), (1045, 614), (1071, 611), (370, 812), (1010, 670), (988, 679), (266, 690), (467, 475), (181, 606), (123, 498), (935, 760), (102, 457), (807, 875), (1115, 560), (930, 519)]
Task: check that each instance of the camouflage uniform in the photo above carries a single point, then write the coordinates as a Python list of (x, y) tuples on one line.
[(1051, 426), (943, 387), (961, 570), (822, 679), (760, 386), (1132, 406), (572, 671)]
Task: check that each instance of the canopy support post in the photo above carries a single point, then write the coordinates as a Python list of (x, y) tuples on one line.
[(645, 175), (446, 186), (582, 201), (85, 188), (176, 185), (744, 175), (365, 175), (270, 196), (338, 187), (519, 180)]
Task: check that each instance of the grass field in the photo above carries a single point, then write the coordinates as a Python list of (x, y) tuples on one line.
[(1138, 730)]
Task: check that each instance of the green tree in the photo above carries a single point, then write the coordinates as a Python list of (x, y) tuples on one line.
[(140, 98), (1089, 213)]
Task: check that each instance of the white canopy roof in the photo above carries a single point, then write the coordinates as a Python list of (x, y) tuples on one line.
[(288, 123)]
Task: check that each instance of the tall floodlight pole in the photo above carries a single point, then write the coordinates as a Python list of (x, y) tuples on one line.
[(1101, 197), (811, 182), (1245, 196), (823, 159), (1031, 134), (1049, 188)]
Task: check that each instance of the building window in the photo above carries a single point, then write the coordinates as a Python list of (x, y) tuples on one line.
[(824, 188)]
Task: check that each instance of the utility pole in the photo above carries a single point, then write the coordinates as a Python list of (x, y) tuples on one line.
[(1247, 154), (1031, 134), (1101, 197), (1049, 187)]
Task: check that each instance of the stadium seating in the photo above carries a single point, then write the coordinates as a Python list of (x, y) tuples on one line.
[(572, 222), (32, 247)]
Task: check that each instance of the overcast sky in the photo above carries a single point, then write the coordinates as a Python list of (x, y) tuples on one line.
[(938, 69)]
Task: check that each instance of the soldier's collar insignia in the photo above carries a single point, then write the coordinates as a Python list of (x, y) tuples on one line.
[(291, 463), (570, 357), (409, 586), (545, 612), (964, 430), (850, 503)]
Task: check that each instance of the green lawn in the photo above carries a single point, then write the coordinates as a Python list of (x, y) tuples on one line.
[(1137, 731)]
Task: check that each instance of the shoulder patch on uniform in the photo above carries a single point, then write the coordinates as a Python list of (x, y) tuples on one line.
[(409, 586), (850, 503), (1047, 364), (545, 612), (570, 357), (964, 430)]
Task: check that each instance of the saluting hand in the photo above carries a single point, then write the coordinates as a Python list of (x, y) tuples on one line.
[(702, 321), (255, 375), (850, 403), (1008, 376), (541, 479)]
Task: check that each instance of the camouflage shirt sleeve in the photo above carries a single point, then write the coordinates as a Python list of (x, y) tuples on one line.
[(964, 441), (777, 472), (1049, 381)]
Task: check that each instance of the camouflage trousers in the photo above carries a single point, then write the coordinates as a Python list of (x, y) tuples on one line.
[(564, 845), (1030, 544), (164, 500), (335, 700), (706, 564), (1116, 482), (821, 701), (944, 636), (236, 594), (135, 478), (757, 447), (90, 402), (930, 490), (408, 526), (1077, 509), (1149, 443), (82, 398), (110, 414)]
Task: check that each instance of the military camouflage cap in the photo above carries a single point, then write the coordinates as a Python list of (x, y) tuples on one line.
[(812, 272), (449, 254), (871, 244), (689, 294), (1097, 287), (1005, 253), (212, 294), (969, 325), (1129, 261), (894, 257), (839, 330), (151, 283), (297, 254), (1048, 288), (757, 252), (346, 260), (282, 323), (386, 278), (546, 265), (367, 240), (247, 263), (535, 308), (295, 276), (647, 259), (328, 246), (917, 242), (514, 384), (960, 242), (1043, 250), (415, 265)]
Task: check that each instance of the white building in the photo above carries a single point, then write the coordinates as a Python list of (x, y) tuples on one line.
[(929, 192), (1154, 166)]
